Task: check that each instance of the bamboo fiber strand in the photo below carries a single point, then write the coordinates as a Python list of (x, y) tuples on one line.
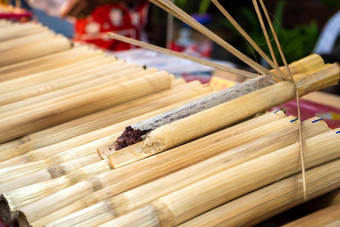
[(175, 11), (180, 55), (213, 191), (296, 93), (274, 64), (146, 193), (125, 178)]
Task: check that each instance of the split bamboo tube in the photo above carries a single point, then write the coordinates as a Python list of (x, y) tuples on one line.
[(45, 63), (215, 118), (248, 209), (72, 107), (57, 147), (102, 119), (35, 50), (146, 193), (329, 216), (226, 185), (141, 172), (264, 203), (87, 172)]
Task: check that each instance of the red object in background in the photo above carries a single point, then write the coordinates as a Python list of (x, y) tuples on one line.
[(118, 18), (309, 109)]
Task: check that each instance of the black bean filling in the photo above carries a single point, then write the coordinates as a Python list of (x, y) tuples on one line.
[(129, 137)]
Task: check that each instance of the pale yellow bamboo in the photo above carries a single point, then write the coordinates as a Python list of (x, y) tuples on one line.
[(150, 174), (213, 191), (247, 210), (45, 63), (20, 30), (43, 147), (35, 50), (28, 95), (27, 40), (146, 170), (56, 168), (70, 83), (132, 199), (70, 108), (215, 118), (45, 76), (329, 216)]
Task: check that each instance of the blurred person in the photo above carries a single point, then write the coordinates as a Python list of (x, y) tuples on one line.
[(95, 18)]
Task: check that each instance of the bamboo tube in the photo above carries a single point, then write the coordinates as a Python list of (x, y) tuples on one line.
[(144, 170), (35, 50), (247, 210), (29, 194), (13, 172), (273, 199), (31, 94), (231, 183), (133, 199), (46, 76), (27, 40), (45, 63), (329, 216), (73, 107), (20, 30), (50, 173), (56, 137), (66, 85), (207, 121)]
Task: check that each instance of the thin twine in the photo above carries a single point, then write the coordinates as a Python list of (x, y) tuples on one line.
[(303, 168)]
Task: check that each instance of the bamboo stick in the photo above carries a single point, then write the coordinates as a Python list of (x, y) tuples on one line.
[(220, 116), (329, 216), (183, 56), (47, 149), (73, 107), (247, 210), (146, 170), (170, 183), (35, 50), (45, 63)]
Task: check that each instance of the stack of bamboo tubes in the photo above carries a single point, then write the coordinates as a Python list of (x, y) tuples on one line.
[(58, 108)]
